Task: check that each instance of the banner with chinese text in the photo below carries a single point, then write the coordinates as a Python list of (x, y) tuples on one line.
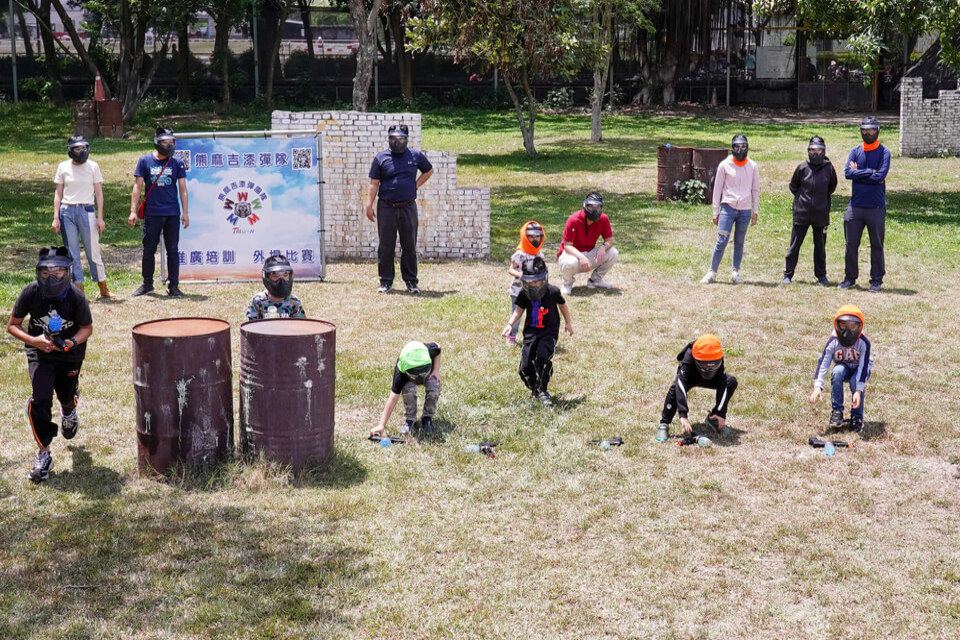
[(250, 198)]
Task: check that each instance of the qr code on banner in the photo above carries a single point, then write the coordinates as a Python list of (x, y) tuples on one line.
[(183, 156), (302, 158)]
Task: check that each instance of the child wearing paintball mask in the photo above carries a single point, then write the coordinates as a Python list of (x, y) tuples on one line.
[(418, 365), (55, 339), (847, 357), (701, 365), (544, 304), (277, 299), (530, 247)]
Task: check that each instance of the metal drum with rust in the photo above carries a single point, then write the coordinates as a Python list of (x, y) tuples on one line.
[(287, 385), (705, 162), (110, 117), (85, 118), (183, 383), (674, 166)]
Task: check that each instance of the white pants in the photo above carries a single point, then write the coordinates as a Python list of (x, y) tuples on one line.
[(570, 264)]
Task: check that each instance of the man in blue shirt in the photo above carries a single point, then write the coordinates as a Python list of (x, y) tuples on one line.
[(867, 167), (166, 178), (394, 175)]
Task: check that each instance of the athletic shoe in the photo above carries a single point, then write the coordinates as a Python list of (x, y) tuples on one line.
[(512, 340), (413, 289), (785, 280), (41, 466), (736, 278), (407, 426), (142, 290), (663, 432), (710, 278), (566, 289), (385, 288), (426, 424), (856, 424), (598, 284), (69, 423), (876, 288), (846, 284), (545, 399), (823, 280), (836, 418), (174, 291)]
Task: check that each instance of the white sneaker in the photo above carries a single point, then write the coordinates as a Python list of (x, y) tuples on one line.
[(599, 284), (566, 289), (710, 278), (736, 278)]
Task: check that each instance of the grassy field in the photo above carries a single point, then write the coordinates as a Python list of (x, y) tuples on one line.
[(759, 537)]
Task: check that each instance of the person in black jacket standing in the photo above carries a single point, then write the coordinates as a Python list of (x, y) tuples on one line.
[(813, 182)]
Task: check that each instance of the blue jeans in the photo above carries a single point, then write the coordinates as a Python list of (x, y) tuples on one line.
[(516, 327), (153, 228), (79, 222), (842, 374), (728, 217)]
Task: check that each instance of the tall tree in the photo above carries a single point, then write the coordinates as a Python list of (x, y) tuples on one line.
[(364, 19), (226, 15), (398, 16), (78, 44), (184, 15), (521, 39), (24, 32), (304, 6), (51, 57)]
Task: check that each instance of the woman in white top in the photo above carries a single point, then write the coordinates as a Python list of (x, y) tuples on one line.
[(80, 186)]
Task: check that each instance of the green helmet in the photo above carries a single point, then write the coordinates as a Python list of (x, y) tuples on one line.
[(414, 355)]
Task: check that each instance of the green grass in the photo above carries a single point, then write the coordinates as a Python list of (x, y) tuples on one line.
[(759, 537)]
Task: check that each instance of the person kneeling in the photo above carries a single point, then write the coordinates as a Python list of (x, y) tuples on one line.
[(701, 365), (418, 364)]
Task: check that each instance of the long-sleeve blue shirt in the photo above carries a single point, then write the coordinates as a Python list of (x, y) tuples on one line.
[(835, 353), (869, 178)]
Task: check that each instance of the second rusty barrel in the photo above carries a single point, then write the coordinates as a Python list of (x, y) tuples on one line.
[(287, 384), (705, 162), (110, 117), (674, 166), (183, 384)]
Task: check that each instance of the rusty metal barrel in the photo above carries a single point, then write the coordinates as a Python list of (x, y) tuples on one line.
[(110, 116), (674, 166), (287, 376), (183, 384), (85, 118), (705, 162)]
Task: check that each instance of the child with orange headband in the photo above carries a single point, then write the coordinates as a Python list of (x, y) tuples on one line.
[(532, 238), (847, 356), (701, 365)]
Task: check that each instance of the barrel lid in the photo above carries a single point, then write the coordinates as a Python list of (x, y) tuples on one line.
[(287, 327), (180, 327)]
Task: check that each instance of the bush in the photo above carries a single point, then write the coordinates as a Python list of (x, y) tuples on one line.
[(559, 98), (693, 191)]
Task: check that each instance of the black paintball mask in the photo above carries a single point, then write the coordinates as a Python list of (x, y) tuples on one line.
[(164, 141), (848, 330), (78, 149), (593, 206), (869, 129), (397, 137), (816, 151), (53, 272), (534, 279), (281, 284), (708, 368), (739, 147)]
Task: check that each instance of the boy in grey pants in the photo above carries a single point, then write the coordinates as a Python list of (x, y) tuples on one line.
[(418, 364)]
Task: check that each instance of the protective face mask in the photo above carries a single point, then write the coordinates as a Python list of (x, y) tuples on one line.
[(815, 158), (79, 155), (869, 135), (593, 214), (398, 144), (165, 149)]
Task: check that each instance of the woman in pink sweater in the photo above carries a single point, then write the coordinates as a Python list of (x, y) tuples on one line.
[(736, 203)]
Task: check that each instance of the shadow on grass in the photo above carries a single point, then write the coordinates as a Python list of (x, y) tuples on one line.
[(92, 481), (441, 429), (873, 431), (937, 208), (427, 293), (586, 292), (341, 471), (561, 402)]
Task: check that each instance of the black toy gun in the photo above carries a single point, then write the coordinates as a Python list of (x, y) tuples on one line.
[(613, 442), (817, 443), (486, 448), (393, 439), (689, 439)]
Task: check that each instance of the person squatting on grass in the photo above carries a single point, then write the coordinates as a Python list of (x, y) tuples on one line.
[(418, 365), (736, 203), (701, 365), (277, 299), (530, 247), (867, 168), (55, 339), (80, 187), (543, 303), (579, 252), (394, 181), (166, 177), (812, 184), (847, 357)]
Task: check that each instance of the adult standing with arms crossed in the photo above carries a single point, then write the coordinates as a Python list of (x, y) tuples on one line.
[(867, 168), (393, 176), (812, 184), (165, 177)]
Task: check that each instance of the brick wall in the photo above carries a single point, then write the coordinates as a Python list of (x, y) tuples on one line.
[(453, 223), (928, 127)]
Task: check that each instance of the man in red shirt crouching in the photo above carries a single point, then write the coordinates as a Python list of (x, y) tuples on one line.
[(579, 252)]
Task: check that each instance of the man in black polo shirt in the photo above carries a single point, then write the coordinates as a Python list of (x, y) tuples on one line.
[(394, 175)]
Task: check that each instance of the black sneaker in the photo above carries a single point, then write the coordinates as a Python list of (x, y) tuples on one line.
[(385, 288), (426, 424), (823, 280), (142, 290), (846, 284), (174, 291), (876, 287), (836, 418), (41, 466), (786, 280), (856, 424), (69, 423), (545, 399), (413, 289)]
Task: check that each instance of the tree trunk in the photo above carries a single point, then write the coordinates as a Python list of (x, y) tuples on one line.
[(526, 130), (183, 58), (50, 57), (221, 53), (307, 27), (602, 35), (79, 46), (27, 45), (365, 25), (274, 57), (404, 57)]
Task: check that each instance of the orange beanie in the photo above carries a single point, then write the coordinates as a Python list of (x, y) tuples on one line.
[(707, 347)]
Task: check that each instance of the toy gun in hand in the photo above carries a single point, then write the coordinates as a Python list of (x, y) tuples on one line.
[(486, 448), (817, 443), (52, 331), (613, 442)]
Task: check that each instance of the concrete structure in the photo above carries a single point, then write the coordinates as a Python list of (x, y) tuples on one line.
[(454, 222), (928, 127)]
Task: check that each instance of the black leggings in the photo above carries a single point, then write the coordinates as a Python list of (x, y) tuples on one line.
[(49, 377)]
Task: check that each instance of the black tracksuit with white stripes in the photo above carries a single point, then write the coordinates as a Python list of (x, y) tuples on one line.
[(688, 377)]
